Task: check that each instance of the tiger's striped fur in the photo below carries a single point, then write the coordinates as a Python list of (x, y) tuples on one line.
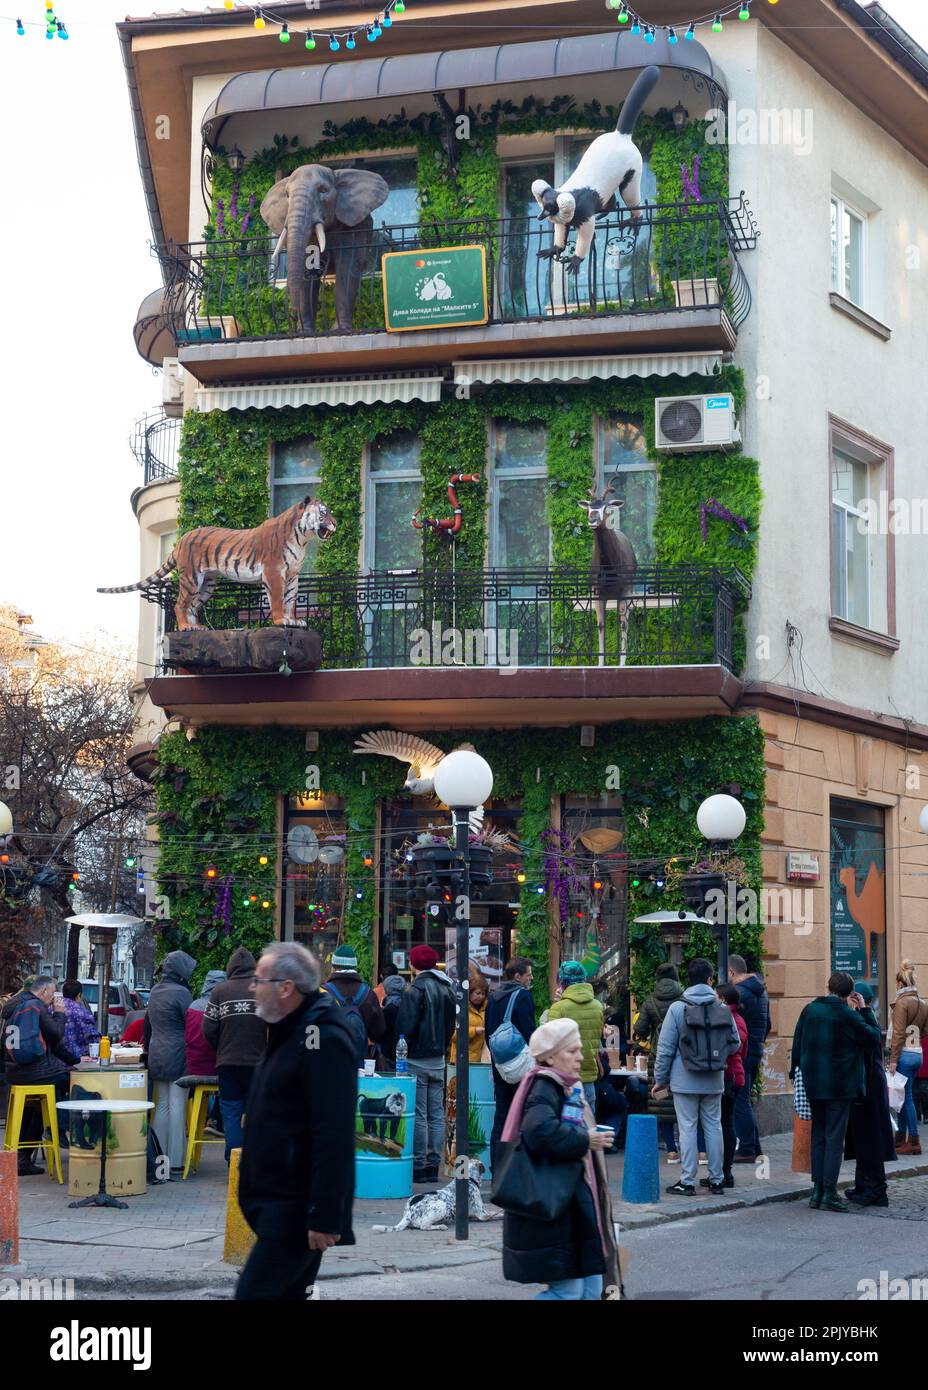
[(271, 554)]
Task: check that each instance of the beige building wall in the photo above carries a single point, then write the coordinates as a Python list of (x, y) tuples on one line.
[(156, 511), (807, 764)]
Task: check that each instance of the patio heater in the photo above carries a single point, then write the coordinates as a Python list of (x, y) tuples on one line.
[(463, 781), (102, 941)]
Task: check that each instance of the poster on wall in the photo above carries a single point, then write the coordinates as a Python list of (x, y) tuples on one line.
[(485, 945), (444, 288), (858, 893)]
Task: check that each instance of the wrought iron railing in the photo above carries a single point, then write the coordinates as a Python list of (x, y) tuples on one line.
[(668, 615), (155, 443), (676, 256)]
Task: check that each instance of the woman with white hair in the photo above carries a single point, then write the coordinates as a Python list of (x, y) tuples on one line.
[(575, 1253)]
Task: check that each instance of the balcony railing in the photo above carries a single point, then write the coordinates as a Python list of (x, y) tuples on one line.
[(670, 615), (677, 256), (154, 444)]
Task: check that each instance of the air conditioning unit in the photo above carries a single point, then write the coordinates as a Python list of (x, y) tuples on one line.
[(172, 388), (690, 424)]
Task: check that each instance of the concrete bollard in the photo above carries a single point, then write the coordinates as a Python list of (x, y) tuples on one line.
[(802, 1145), (641, 1177), (239, 1235), (9, 1208)]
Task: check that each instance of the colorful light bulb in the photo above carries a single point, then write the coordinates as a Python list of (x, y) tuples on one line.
[(717, 24), (691, 33), (334, 44), (310, 42), (399, 7), (285, 34), (260, 21), (650, 35), (672, 35), (745, 11), (636, 25), (349, 42), (20, 28)]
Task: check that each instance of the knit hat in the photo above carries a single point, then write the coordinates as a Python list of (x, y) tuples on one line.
[(344, 959), (864, 990), (572, 972), (423, 958), (552, 1036), (666, 971)]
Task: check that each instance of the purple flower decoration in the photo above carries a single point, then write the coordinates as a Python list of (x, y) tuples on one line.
[(223, 909), (714, 508), (233, 205), (559, 872), (220, 217)]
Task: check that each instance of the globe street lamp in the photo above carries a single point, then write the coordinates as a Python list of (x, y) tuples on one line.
[(463, 781), (6, 821), (721, 819)]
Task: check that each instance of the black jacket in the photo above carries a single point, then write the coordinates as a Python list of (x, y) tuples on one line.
[(56, 1058), (544, 1252), (297, 1168), (755, 1009), (349, 983), (230, 1025), (426, 1018), (523, 1010)]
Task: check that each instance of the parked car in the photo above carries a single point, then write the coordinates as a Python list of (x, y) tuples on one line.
[(120, 1004), (142, 996)]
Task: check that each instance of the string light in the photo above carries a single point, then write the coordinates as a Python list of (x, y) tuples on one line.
[(285, 34), (334, 44), (130, 861), (229, 4), (62, 31), (745, 11), (717, 24), (260, 21), (368, 861), (651, 35), (636, 25), (349, 42), (672, 35), (210, 872), (520, 876), (20, 28), (399, 7), (386, 20), (310, 42), (262, 859), (691, 32), (266, 904)]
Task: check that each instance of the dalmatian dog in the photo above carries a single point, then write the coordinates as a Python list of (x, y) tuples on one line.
[(432, 1211)]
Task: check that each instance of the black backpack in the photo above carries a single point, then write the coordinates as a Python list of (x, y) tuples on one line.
[(705, 1036), (352, 1015)]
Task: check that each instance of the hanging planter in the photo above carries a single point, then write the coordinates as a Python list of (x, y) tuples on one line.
[(437, 862)]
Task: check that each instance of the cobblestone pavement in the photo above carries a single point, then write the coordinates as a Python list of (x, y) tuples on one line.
[(908, 1201), (169, 1242)]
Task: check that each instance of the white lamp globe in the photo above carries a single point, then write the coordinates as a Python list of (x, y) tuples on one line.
[(721, 818), (463, 779), (922, 820), (6, 819)]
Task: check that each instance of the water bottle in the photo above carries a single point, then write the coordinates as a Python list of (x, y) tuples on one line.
[(402, 1053), (572, 1114)]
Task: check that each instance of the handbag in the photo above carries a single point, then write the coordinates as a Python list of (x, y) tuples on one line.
[(508, 1048), (800, 1100), (531, 1185)]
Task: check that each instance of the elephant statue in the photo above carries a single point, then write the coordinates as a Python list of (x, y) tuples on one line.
[(329, 211)]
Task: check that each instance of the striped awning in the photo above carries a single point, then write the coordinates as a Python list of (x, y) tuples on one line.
[(333, 390), (571, 369)]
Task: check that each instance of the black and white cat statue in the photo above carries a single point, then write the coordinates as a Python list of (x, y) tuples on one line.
[(611, 164)]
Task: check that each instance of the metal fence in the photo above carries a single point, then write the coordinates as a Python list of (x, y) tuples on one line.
[(669, 615), (675, 256), (154, 443)]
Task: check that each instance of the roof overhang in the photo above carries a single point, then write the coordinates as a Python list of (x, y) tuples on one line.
[(288, 89), (577, 369), (278, 395)]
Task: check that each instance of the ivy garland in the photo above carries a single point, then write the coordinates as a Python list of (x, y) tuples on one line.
[(227, 781)]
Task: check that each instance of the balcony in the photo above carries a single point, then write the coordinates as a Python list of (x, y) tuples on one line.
[(673, 280), (493, 646), (155, 443)]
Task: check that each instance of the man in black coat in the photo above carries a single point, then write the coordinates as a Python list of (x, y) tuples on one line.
[(517, 980), (755, 1010), (36, 1054), (296, 1181)]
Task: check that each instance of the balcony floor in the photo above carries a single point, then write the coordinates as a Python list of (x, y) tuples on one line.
[(451, 698), (668, 330)]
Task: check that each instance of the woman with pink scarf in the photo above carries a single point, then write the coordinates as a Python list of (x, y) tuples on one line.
[(574, 1255)]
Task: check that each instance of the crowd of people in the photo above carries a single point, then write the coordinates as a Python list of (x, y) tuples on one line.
[(285, 1045)]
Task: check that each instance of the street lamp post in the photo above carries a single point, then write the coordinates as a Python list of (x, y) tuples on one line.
[(720, 819), (463, 781)]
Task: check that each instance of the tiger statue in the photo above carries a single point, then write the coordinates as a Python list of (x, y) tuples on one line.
[(271, 554)]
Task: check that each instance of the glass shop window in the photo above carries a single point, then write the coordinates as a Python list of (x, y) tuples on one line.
[(625, 467), (296, 471), (315, 842)]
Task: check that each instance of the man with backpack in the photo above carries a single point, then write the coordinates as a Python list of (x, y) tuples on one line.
[(359, 1004), (426, 1020), (755, 1010), (698, 1036)]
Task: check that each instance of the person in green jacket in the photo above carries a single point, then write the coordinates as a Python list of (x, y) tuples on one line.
[(577, 1002), (831, 1047)]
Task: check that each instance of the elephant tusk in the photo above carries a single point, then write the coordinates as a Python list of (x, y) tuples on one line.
[(281, 243), (319, 229)]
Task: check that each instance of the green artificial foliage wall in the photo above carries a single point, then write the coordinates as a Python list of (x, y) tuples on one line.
[(217, 805)]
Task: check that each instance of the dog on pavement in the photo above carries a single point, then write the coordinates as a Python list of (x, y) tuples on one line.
[(432, 1211)]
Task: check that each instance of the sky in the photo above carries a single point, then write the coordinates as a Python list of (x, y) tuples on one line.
[(76, 264)]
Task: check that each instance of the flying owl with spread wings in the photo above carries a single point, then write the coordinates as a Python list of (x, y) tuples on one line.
[(421, 757)]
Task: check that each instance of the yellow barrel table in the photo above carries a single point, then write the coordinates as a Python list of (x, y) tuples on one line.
[(126, 1135)]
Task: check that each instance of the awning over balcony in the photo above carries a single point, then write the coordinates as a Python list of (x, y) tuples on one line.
[(573, 369), (501, 65), (153, 334), (333, 390)]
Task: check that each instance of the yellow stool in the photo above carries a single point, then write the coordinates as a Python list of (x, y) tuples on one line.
[(14, 1123), (197, 1111)]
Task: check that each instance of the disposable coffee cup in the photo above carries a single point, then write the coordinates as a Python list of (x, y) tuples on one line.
[(94, 1049), (369, 1066)]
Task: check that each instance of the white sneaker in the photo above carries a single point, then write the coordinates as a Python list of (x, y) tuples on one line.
[(673, 1158), (703, 1158)]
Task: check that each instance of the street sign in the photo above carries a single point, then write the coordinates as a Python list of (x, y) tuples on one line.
[(444, 288)]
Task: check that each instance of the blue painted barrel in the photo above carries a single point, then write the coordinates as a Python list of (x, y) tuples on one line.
[(384, 1124), (482, 1111), (641, 1173)]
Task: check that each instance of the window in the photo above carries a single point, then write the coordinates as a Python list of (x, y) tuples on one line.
[(848, 239), (315, 884), (850, 579), (862, 545), (165, 546), (625, 467), (519, 532), (296, 470), (393, 495)]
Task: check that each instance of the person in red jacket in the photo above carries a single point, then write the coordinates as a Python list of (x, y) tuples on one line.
[(134, 1036), (735, 1078)]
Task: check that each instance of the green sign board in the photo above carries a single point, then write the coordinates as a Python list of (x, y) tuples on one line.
[(445, 288)]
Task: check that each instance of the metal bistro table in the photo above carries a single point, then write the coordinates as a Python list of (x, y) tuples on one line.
[(98, 1107)]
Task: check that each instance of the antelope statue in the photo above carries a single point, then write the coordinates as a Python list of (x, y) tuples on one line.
[(614, 565)]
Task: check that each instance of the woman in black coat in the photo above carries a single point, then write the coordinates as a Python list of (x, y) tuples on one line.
[(870, 1133), (572, 1253)]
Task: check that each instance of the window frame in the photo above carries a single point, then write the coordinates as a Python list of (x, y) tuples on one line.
[(371, 482), (846, 205), (649, 465), (877, 455), (537, 471), (312, 480)]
